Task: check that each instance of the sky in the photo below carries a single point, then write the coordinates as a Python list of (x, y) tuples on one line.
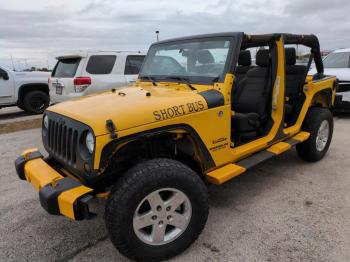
[(34, 32)]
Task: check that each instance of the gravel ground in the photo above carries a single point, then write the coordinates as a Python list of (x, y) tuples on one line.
[(282, 210)]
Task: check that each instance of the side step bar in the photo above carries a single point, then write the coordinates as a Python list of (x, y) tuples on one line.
[(227, 172)]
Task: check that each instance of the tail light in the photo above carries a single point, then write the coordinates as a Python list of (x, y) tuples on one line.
[(81, 83)]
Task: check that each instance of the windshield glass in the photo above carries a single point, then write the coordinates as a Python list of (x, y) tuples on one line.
[(66, 67), (196, 60), (337, 60)]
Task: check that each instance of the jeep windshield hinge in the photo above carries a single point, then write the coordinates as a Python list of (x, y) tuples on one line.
[(111, 128)]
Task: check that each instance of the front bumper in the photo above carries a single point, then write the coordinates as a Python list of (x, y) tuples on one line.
[(59, 195)]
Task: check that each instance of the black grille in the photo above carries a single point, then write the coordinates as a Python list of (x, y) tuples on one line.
[(62, 141)]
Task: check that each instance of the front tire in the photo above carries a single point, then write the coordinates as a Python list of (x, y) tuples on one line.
[(35, 102), (156, 210), (319, 123), (20, 105)]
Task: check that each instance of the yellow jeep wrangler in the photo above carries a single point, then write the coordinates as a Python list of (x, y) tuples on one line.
[(202, 111)]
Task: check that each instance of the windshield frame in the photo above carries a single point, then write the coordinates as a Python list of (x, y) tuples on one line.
[(232, 56)]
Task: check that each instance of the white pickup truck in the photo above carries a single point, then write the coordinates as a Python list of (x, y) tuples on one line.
[(87, 72), (27, 90)]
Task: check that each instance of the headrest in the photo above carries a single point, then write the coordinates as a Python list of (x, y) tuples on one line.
[(262, 57), (244, 58), (205, 57), (290, 55)]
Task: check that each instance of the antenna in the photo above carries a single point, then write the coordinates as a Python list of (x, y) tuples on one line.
[(157, 33)]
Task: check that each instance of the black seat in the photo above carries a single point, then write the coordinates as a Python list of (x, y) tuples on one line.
[(205, 62), (252, 96), (295, 78), (244, 65)]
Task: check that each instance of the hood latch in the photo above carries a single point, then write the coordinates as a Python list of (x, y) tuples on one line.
[(111, 128)]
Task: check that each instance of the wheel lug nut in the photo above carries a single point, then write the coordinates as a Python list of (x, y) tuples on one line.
[(154, 217), (168, 208), (169, 217), (160, 223), (159, 208)]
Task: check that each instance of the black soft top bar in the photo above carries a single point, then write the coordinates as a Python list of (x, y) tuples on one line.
[(307, 40), (310, 41)]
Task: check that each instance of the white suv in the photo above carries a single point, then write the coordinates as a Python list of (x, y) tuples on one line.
[(337, 64), (89, 72)]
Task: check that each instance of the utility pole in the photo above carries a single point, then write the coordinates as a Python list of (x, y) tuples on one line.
[(297, 51), (25, 62), (13, 65), (19, 65), (157, 32)]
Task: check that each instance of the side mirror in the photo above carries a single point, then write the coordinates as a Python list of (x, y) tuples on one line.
[(343, 87), (4, 75)]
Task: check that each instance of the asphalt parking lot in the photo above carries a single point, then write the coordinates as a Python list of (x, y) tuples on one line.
[(282, 210)]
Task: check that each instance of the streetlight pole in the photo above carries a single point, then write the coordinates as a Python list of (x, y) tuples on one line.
[(157, 32)]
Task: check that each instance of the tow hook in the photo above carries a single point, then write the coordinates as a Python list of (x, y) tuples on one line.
[(84, 207)]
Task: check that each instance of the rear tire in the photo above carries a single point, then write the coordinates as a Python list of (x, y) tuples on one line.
[(319, 123), (35, 102), (162, 181)]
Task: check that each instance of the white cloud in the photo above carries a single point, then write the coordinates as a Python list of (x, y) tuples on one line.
[(42, 29)]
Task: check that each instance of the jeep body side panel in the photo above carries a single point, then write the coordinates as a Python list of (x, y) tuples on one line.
[(311, 89), (211, 125)]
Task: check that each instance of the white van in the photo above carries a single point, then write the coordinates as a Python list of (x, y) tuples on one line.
[(89, 72)]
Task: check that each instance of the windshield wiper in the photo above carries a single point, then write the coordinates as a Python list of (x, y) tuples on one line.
[(183, 79), (154, 83)]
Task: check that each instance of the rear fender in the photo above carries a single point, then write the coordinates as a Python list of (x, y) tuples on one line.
[(323, 98)]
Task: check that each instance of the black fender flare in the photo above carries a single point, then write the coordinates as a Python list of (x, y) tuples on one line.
[(327, 92), (206, 157), (23, 88)]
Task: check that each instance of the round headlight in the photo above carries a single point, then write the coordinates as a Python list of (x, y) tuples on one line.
[(90, 142), (46, 121)]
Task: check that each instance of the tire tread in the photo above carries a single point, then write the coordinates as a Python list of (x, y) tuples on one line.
[(139, 174)]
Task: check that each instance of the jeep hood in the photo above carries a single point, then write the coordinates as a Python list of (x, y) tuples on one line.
[(131, 107)]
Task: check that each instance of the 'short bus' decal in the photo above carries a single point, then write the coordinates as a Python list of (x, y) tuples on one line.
[(179, 110)]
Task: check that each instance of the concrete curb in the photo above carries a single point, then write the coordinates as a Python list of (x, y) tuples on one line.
[(9, 127)]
